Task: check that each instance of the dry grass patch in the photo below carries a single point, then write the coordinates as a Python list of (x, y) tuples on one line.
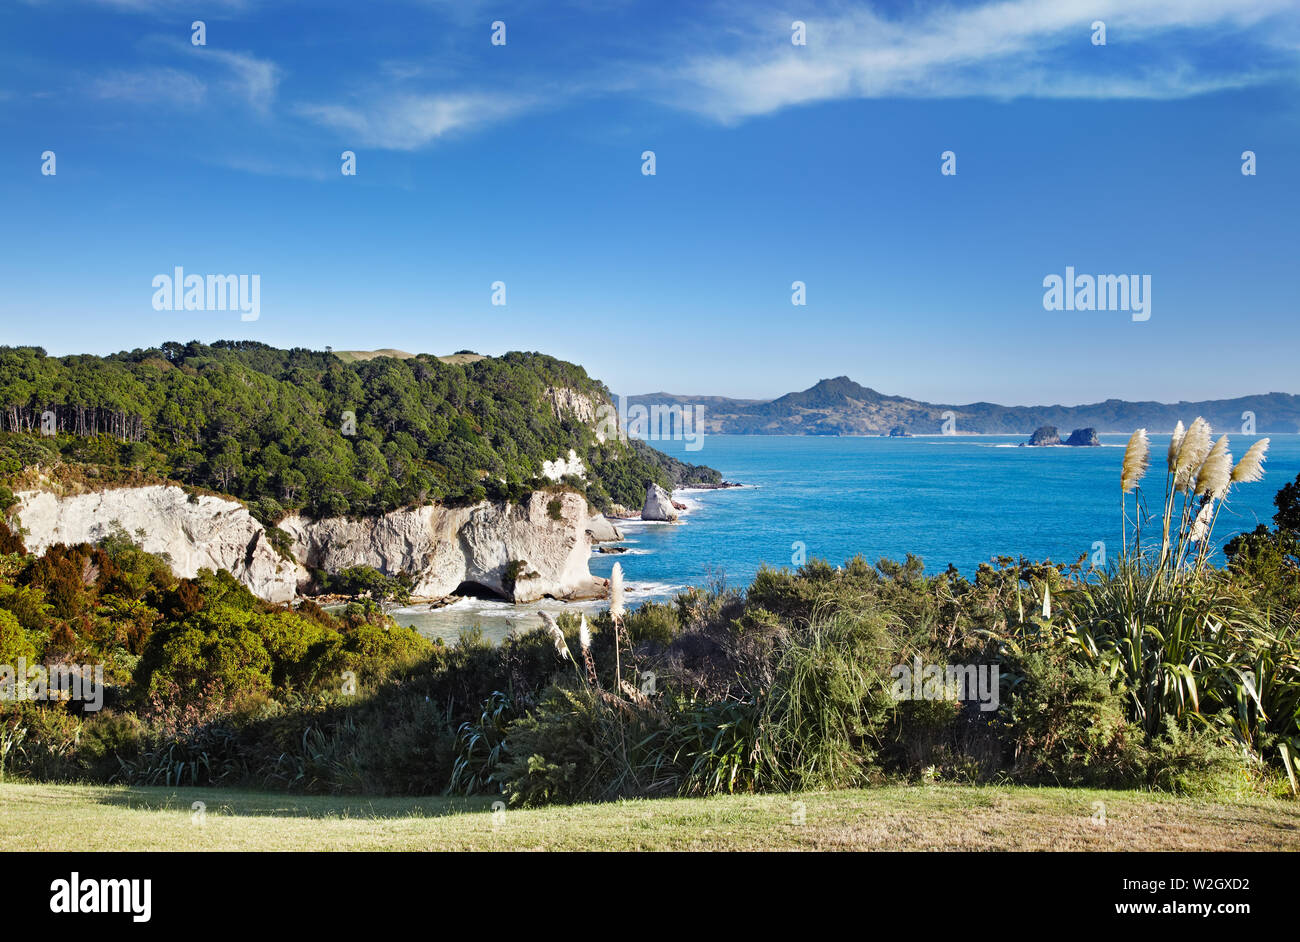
[(74, 817)]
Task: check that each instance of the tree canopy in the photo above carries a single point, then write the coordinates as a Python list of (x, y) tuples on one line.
[(303, 431)]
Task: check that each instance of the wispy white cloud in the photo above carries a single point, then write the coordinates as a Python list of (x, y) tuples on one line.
[(236, 75), (1005, 49), (255, 80), (742, 63), (263, 166), (150, 86), (410, 121), (747, 66)]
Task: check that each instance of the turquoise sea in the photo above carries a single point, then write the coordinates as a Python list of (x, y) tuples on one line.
[(948, 499)]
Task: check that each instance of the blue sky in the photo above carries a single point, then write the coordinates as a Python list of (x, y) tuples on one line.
[(820, 163)]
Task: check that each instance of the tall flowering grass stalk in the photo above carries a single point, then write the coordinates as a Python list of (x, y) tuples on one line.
[(584, 640), (557, 637), (617, 609), (1137, 458), (1199, 474)]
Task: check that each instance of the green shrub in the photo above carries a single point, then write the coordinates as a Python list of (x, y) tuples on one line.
[(827, 705), (481, 748), (654, 622), (373, 651), (1066, 723), (1196, 761), (206, 755), (552, 756), (42, 740), (15, 641), (205, 664)]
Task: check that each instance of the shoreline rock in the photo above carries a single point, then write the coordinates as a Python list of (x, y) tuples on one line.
[(602, 531), (658, 505)]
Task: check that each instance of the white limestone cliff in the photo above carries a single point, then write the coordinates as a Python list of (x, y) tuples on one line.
[(520, 551), (202, 532)]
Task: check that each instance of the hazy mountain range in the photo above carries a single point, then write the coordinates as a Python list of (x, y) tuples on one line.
[(842, 407)]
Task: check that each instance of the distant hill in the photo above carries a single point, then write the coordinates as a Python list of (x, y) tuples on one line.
[(840, 406)]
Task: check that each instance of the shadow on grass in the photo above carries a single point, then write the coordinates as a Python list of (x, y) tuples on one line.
[(242, 803)]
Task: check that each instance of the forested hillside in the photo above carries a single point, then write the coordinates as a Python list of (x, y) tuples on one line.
[(301, 430)]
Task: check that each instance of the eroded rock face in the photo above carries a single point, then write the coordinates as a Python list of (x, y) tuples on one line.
[(518, 551), (658, 504), (565, 399), (200, 533)]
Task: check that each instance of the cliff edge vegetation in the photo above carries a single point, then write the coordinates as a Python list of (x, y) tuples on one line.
[(303, 431)]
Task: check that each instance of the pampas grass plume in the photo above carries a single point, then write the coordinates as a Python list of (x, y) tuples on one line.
[(1137, 456), (1175, 443), (556, 634), (616, 607), (1215, 473), (1191, 453), (1251, 466), (1201, 528)]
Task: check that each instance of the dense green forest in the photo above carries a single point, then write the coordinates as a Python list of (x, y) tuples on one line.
[(302, 430)]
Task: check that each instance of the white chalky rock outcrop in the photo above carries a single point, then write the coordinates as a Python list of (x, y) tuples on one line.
[(658, 504), (519, 551), (554, 470), (201, 532)]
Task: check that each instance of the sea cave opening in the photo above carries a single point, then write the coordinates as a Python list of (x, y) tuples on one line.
[(477, 590)]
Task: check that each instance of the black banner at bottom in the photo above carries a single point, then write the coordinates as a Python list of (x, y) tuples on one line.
[(145, 892)]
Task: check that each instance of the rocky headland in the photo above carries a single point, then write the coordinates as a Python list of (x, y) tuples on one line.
[(521, 552)]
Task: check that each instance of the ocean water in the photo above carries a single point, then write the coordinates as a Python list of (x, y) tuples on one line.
[(948, 499)]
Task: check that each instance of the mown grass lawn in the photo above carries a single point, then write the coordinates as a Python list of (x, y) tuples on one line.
[(79, 817)]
